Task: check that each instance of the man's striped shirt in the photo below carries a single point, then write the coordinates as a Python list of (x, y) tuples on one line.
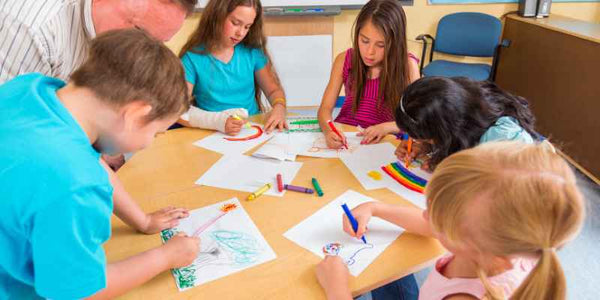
[(46, 36)]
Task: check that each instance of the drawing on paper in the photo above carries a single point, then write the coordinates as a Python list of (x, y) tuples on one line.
[(257, 134), (230, 243), (405, 177), (336, 250), (320, 145)]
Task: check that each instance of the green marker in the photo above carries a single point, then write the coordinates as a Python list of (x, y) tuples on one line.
[(304, 122), (317, 187)]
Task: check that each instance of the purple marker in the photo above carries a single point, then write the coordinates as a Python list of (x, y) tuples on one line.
[(300, 189)]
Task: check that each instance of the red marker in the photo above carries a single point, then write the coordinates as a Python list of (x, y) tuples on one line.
[(279, 183), (336, 132)]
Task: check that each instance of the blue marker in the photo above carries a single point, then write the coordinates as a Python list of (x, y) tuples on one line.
[(352, 220)]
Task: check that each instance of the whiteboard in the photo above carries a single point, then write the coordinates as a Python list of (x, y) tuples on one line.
[(303, 64), (284, 3)]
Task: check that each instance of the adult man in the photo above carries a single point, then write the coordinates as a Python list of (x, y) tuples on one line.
[(52, 36)]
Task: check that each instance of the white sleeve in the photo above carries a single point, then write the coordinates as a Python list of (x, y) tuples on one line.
[(213, 120)]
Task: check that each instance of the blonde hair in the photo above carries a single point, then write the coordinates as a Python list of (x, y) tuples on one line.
[(532, 206)]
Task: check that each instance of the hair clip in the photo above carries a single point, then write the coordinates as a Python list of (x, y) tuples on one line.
[(404, 111)]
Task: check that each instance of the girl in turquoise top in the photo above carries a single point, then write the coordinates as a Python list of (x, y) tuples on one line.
[(446, 115), (227, 66)]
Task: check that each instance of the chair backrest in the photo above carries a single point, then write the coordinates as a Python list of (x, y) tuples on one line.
[(468, 34)]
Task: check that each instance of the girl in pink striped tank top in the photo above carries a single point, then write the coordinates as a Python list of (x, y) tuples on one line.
[(374, 74), (501, 209)]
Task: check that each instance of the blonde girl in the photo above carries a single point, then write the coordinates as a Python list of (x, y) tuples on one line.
[(502, 210)]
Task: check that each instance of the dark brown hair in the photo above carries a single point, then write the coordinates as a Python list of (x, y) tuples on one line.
[(188, 5), (210, 31), (127, 65), (388, 16)]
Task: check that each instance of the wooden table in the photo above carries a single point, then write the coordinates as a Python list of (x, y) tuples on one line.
[(554, 62), (164, 174)]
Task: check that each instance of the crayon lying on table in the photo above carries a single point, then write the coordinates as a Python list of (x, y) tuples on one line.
[(300, 189)]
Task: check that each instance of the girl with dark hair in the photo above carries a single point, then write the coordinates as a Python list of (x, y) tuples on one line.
[(227, 66), (446, 115), (374, 72)]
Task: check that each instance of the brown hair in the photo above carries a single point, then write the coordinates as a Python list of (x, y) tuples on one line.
[(127, 65), (188, 5), (532, 207), (209, 32), (389, 17)]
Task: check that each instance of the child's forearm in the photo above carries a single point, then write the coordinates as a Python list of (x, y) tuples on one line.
[(124, 206), (124, 275), (391, 127), (407, 217)]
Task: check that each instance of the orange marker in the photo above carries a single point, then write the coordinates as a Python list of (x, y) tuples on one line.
[(409, 149)]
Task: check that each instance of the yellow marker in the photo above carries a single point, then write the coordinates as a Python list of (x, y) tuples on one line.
[(247, 124), (259, 192)]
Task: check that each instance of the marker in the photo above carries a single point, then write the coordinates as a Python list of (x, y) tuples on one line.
[(317, 187), (304, 122), (259, 192), (300, 189), (409, 149), (336, 132), (352, 220), (279, 183), (246, 124)]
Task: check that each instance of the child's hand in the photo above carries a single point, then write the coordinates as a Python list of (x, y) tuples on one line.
[(233, 126), (333, 275), (373, 134), (165, 218), (333, 140), (276, 119), (362, 214), (419, 150), (181, 250)]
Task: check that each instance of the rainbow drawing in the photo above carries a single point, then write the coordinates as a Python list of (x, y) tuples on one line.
[(405, 177)]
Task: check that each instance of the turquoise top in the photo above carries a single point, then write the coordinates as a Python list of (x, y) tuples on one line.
[(219, 86), (56, 197), (506, 129)]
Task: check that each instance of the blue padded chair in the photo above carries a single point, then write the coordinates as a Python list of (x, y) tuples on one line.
[(463, 34)]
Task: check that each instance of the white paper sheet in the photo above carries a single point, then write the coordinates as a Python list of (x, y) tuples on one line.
[(313, 144), (244, 173), (217, 142), (367, 158), (276, 148), (231, 244), (325, 226)]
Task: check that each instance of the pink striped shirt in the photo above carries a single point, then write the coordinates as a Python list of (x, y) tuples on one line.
[(368, 113)]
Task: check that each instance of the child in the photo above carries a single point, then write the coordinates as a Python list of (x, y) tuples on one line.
[(57, 197), (374, 73), (227, 65), (446, 115), (501, 209)]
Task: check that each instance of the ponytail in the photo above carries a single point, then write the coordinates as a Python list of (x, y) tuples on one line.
[(545, 281)]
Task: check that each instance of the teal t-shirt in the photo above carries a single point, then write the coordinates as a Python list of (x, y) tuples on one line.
[(506, 129), (219, 86), (56, 200)]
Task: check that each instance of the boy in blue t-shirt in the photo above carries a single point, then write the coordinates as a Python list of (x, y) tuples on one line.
[(57, 196)]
